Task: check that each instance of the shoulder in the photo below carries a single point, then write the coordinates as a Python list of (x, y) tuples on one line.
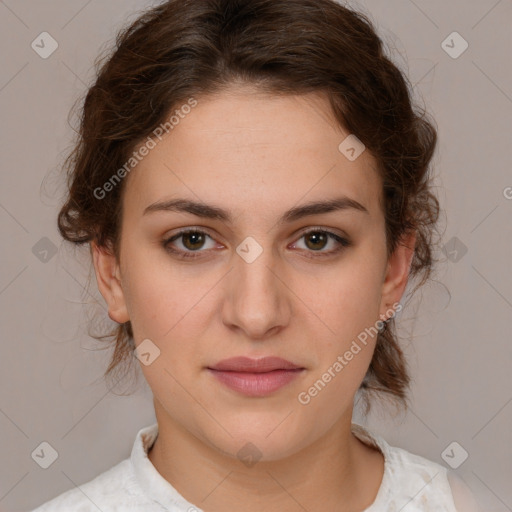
[(425, 484), (110, 490), (412, 482), (115, 490)]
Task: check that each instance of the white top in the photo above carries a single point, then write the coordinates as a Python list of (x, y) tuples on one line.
[(410, 484)]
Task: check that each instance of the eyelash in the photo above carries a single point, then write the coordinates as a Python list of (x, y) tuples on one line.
[(344, 243)]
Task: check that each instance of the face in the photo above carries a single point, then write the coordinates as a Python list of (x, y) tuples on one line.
[(256, 281)]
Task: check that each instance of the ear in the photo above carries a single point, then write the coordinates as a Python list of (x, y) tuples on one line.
[(397, 272), (108, 278)]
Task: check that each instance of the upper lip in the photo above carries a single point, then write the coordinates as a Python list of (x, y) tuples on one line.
[(247, 364)]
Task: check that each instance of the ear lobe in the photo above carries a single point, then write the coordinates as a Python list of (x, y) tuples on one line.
[(397, 272), (108, 276)]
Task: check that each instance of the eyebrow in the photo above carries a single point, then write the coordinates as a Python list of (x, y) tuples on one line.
[(207, 211)]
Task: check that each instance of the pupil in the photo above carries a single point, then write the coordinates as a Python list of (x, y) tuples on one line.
[(319, 237), (198, 240)]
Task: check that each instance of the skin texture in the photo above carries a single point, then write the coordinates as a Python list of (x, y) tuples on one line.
[(256, 155)]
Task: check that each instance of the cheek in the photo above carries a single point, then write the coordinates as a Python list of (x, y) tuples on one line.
[(152, 306), (351, 301), (158, 297)]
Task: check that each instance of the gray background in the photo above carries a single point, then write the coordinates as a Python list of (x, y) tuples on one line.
[(460, 354)]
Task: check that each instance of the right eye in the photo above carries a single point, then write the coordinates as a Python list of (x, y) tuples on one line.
[(192, 241)]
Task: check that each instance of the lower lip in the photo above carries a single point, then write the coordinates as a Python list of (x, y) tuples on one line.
[(256, 384)]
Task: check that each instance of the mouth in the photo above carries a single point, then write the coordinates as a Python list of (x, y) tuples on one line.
[(255, 377)]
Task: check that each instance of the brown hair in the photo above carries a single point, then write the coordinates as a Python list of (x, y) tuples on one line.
[(188, 48)]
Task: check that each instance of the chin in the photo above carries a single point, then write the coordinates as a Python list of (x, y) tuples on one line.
[(262, 439)]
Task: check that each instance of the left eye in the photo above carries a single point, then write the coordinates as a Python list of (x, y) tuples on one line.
[(193, 241), (318, 239)]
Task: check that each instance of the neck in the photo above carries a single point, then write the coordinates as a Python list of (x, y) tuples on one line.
[(337, 472)]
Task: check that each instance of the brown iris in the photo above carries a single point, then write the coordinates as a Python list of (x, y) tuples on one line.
[(318, 237), (196, 240)]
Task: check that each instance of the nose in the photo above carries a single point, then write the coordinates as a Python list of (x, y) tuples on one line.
[(257, 300)]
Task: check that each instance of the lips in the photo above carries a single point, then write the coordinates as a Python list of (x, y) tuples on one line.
[(255, 377), (246, 364)]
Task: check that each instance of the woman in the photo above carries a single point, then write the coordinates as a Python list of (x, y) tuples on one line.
[(254, 184)]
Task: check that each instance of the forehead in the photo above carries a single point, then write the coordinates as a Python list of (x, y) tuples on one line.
[(253, 151)]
